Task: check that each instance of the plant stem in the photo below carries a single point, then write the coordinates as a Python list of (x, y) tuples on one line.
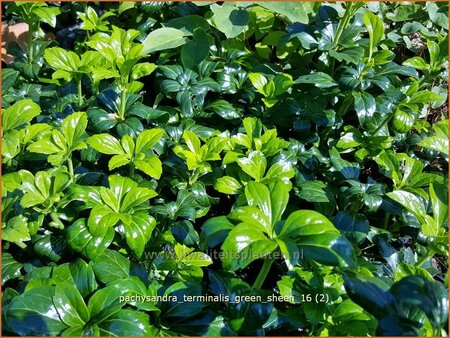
[(344, 23), (385, 121), (429, 253), (386, 221), (30, 40), (56, 220), (70, 166), (341, 27), (263, 273), (346, 103), (80, 94), (123, 101), (131, 169)]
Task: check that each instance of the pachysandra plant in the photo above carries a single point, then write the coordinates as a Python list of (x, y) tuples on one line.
[(225, 169)]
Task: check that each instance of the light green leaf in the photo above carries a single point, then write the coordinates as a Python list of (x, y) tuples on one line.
[(142, 69), (227, 185), (259, 81), (73, 128), (375, 27), (151, 165), (163, 38), (199, 259), (254, 165), (319, 79), (439, 202), (425, 96), (147, 139), (106, 144), (61, 59), (410, 201), (117, 161), (136, 197), (192, 141), (306, 223), (20, 113), (16, 231), (229, 19)]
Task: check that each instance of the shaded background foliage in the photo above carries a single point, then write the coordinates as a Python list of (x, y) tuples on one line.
[(148, 138)]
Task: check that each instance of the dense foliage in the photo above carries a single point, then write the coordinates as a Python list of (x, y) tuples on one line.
[(287, 160)]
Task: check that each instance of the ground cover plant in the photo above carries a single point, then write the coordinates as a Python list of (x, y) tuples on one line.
[(179, 168)]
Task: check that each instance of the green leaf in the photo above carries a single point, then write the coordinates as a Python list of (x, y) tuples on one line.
[(70, 305), (106, 144), (20, 113), (370, 296), (282, 83), (16, 231), (254, 165), (110, 266), (347, 169), (78, 273), (195, 50), (439, 141), (224, 109), (365, 106), (257, 194), (127, 323), (259, 81), (375, 27), (314, 191), (199, 259), (214, 231), (61, 59), (104, 303), (424, 96), (439, 202), (135, 197), (82, 241), (410, 201), (147, 139), (328, 248), (118, 161), (319, 79), (418, 293), (152, 166), (353, 225), (229, 19), (438, 13), (192, 141), (416, 62), (293, 11), (163, 38), (237, 240), (10, 267), (290, 252), (73, 128), (251, 215), (305, 223), (9, 77), (228, 185), (34, 314), (47, 14), (138, 232), (142, 69)]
